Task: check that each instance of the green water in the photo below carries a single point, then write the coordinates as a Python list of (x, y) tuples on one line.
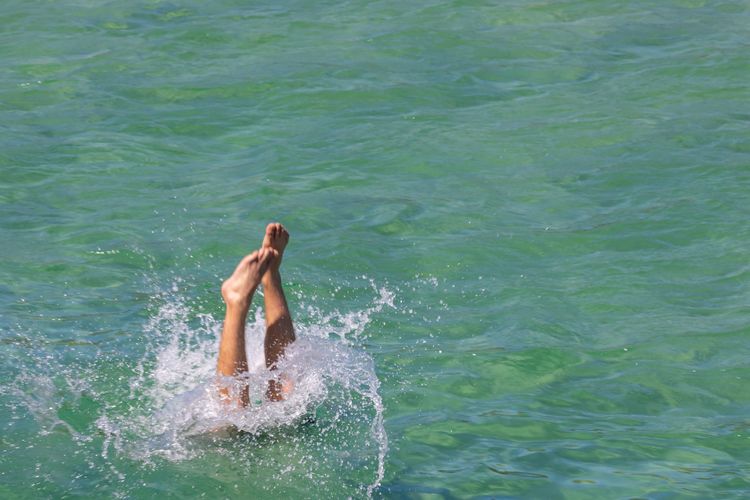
[(555, 193)]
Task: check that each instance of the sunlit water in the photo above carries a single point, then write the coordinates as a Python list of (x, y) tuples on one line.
[(518, 264)]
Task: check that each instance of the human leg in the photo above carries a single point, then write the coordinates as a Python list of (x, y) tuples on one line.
[(237, 292), (279, 327)]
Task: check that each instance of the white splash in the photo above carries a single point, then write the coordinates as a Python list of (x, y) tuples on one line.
[(176, 413)]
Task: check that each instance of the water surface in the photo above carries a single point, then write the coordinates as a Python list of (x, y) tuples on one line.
[(526, 222)]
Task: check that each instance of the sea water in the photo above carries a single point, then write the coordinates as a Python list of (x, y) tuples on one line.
[(518, 260)]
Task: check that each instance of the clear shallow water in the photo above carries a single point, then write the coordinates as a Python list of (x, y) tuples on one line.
[(552, 195)]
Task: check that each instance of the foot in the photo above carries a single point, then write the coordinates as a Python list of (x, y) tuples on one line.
[(238, 289), (276, 238)]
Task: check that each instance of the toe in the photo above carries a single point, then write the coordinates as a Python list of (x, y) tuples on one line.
[(267, 258), (269, 255)]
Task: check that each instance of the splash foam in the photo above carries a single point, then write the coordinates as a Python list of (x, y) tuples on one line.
[(331, 425)]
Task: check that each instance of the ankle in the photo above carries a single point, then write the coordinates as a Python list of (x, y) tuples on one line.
[(236, 304), (272, 277)]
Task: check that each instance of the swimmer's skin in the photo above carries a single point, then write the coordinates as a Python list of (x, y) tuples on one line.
[(260, 267)]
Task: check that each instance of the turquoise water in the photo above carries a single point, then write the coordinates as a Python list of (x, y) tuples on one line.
[(519, 238)]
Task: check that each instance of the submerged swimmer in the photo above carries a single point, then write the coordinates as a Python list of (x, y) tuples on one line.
[(260, 267)]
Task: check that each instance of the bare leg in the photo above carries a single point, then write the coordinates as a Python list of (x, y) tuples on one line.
[(237, 292), (279, 327)]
